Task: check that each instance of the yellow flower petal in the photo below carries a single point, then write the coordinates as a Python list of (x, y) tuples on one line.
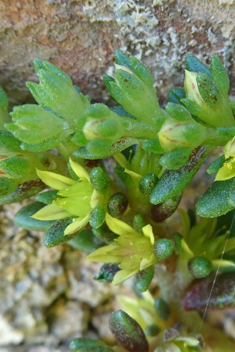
[(122, 276), (120, 158), (95, 198), (148, 232), (55, 180), (51, 212), (225, 173), (133, 174), (146, 262), (222, 263), (148, 297), (79, 170), (103, 255), (76, 225), (186, 248), (119, 227)]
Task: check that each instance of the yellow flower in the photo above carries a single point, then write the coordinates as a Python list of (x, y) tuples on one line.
[(227, 171), (77, 200), (132, 250), (199, 241)]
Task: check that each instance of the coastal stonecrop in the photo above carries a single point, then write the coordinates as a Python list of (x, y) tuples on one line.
[(114, 178)]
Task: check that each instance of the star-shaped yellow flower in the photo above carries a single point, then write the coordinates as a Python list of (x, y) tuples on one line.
[(77, 200), (227, 171), (132, 250)]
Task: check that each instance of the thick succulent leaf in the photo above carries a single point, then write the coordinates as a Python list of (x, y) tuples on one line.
[(23, 218), (218, 200)]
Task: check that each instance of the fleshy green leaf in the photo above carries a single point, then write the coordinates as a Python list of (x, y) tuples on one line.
[(23, 218)]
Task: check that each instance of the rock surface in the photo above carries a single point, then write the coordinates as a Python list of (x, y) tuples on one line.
[(80, 36)]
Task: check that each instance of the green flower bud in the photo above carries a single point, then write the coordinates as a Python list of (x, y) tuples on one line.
[(117, 204), (147, 184), (33, 124), (200, 267), (99, 180), (162, 308), (128, 332), (205, 100), (133, 88), (78, 344), (152, 330), (187, 134), (56, 91), (102, 123), (143, 279), (107, 272), (97, 216), (163, 248)]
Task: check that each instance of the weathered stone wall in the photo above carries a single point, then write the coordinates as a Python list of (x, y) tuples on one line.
[(80, 36)]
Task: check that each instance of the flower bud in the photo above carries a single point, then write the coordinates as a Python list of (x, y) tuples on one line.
[(162, 308), (117, 204), (101, 122), (97, 216), (56, 91), (139, 223), (99, 180), (163, 248), (205, 100), (143, 279), (200, 267), (33, 124), (175, 134), (147, 184), (133, 88)]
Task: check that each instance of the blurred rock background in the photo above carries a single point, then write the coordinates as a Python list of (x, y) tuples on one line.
[(48, 296)]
